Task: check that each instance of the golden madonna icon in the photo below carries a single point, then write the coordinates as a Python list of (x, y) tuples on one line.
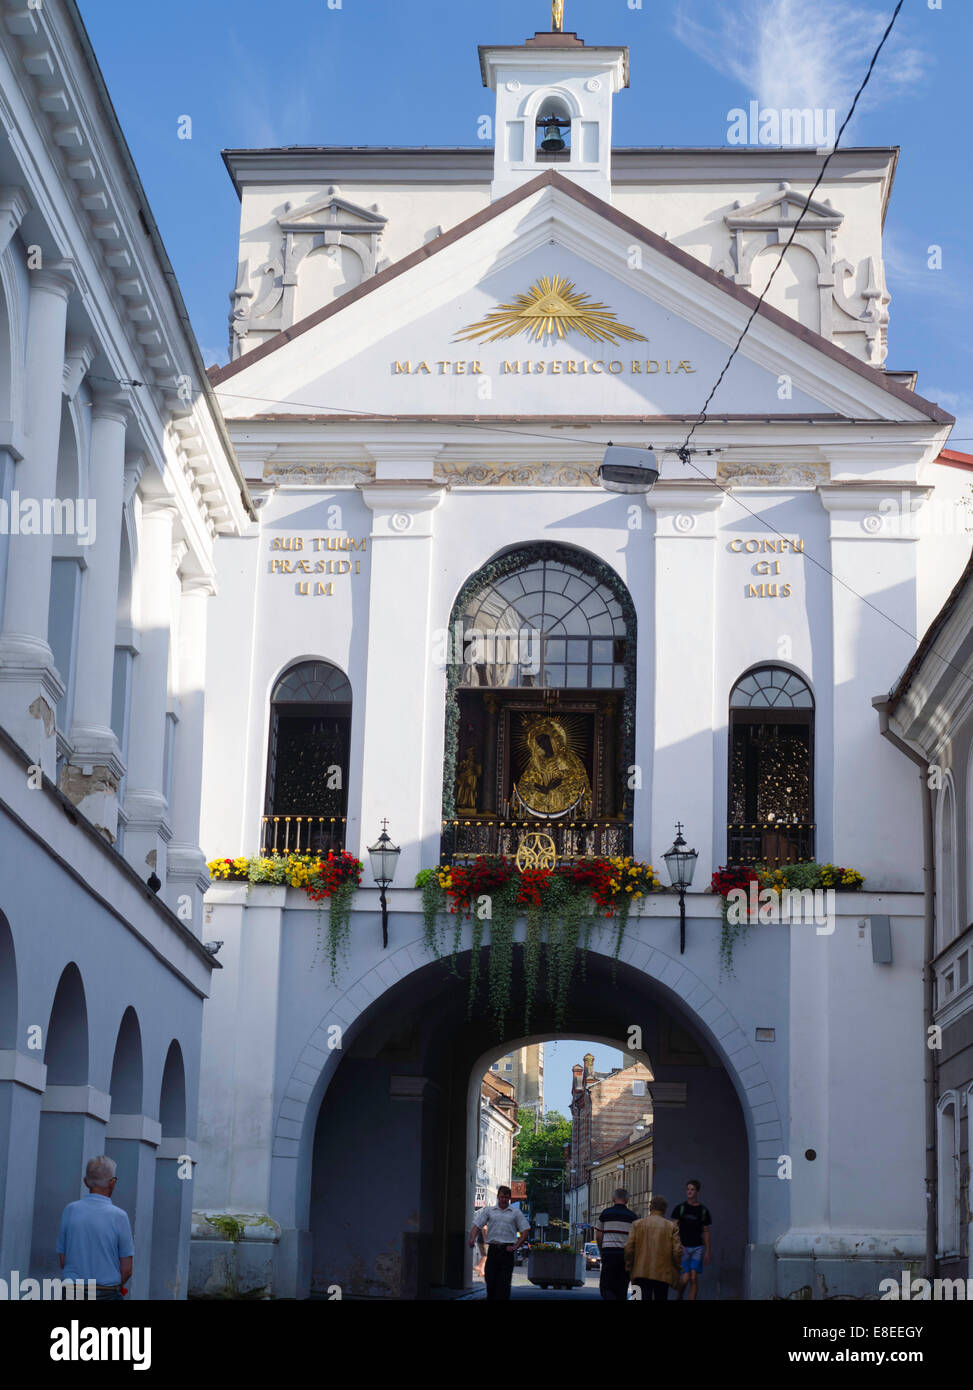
[(536, 851), (555, 780), (551, 308)]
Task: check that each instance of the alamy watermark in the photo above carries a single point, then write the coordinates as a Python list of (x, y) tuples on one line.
[(48, 516), (781, 126), (456, 647), (790, 906), (17, 1290)]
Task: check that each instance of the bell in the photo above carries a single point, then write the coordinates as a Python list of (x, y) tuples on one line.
[(553, 142)]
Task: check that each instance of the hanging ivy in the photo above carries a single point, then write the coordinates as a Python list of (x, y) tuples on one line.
[(561, 907)]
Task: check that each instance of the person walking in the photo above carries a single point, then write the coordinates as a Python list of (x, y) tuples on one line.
[(652, 1253), (95, 1239), (694, 1222), (506, 1227), (612, 1230)]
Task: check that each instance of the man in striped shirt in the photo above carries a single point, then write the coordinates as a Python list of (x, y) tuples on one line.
[(612, 1230)]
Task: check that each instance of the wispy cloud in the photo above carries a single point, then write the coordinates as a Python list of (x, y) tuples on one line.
[(787, 53), (272, 105)]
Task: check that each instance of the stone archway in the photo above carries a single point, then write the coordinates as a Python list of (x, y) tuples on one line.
[(403, 1074)]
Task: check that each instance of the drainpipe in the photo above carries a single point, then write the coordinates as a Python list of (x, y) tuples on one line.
[(930, 1066)]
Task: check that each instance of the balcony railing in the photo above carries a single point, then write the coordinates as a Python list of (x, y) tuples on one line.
[(465, 839), (302, 834), (776, 843)]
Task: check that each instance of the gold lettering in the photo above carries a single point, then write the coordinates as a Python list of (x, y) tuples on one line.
[(751, 546), (785, 591), (326, 589), (600, 366), (651, 367), (303, 566), (358, 566), (555, 369), (539, 368), (762, 567), (476, 369), (443, 365), (684, 366), (572, 368), (357, 545), (755, 591), (303, 589), (403, 368), (507, 368), (637, 367), (460, 368), (736, 546), (275, 543), (342, 567), (285, 567), (422, 367), (668, 366)]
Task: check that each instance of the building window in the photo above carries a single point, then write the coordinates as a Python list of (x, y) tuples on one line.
[(539, 706), (949, 1174), (770, 812), (638, 1088), (307, 763)]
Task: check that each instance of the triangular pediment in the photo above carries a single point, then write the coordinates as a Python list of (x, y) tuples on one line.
[(553, 304), (331, 212), (783, 210)]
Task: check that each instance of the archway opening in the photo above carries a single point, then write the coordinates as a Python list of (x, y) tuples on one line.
[(411, 1072)]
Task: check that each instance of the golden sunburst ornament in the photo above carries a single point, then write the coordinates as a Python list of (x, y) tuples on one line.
[(551, 307)]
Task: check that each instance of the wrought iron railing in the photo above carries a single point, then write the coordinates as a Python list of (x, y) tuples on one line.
[(302, 834), (774, 843), (464, 839)]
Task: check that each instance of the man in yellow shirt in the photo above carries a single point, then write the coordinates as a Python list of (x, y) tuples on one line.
[(653, 1252)]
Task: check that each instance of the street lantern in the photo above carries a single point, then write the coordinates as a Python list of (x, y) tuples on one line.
[(625, 469), (681, 865), (384, 856)]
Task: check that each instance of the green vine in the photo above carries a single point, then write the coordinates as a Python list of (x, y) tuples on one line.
[(503, 915), (339, 923)]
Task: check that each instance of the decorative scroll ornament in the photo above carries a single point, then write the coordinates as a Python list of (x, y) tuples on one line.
[(555, 780), (551, 307), (536, 851)]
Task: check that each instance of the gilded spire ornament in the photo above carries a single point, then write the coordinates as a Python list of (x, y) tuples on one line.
[(557, 16)]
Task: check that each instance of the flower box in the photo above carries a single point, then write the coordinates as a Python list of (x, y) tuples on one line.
[(556, 1269)]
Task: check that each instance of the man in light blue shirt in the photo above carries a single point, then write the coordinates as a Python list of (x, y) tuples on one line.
[(95, 1239)]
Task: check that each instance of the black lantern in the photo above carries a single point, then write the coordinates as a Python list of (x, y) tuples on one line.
[(384, 856), (681, 865)]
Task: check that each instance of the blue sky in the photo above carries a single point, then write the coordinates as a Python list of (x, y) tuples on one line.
[(383, 72)]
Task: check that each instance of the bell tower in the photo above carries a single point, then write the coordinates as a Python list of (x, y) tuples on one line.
[(554, 108)]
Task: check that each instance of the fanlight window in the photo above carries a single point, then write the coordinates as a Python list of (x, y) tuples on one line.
[(547, 625), (307, 766), (771, 686), (770, 814)]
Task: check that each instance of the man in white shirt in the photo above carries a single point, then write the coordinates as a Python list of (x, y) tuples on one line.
[(506, 1228)]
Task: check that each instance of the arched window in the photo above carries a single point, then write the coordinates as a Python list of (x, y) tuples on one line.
[(948, 1154), (307, 765), (540, 706), (770, 812)]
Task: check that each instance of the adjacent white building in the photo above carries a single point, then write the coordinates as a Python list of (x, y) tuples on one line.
[(116, 477)]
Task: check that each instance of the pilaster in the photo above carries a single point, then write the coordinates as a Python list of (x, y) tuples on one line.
[(30, 685), (398, 660), (684, 647)]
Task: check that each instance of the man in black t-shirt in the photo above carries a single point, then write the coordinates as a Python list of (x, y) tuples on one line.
[(611, 1232), (694, 1223)]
